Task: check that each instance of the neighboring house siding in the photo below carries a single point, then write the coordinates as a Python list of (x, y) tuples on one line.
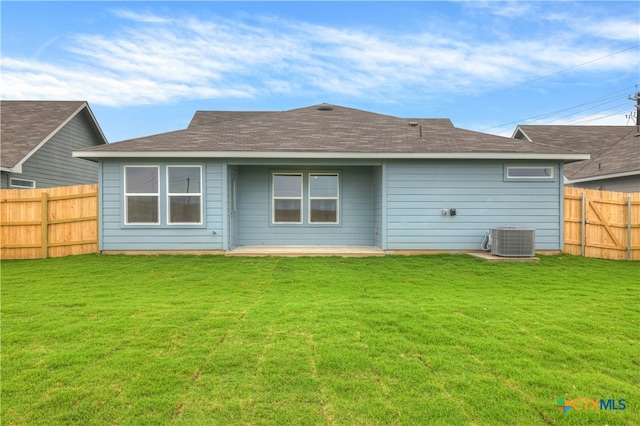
[(418, 191), (117, 236), (4, 180), (53, 165), (622, 184), (356, 209)]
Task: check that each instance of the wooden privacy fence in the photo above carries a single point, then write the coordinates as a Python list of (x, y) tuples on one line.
[(48, 222), (54, 222), (602, 224)]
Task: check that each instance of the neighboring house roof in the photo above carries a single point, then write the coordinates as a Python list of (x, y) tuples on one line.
[(324, 131), (615, 150), (27, 125)]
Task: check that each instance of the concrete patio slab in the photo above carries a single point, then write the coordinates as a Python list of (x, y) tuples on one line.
[(296, 251), (493, 258)]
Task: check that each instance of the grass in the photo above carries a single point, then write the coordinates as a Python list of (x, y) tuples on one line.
[(395, 340)]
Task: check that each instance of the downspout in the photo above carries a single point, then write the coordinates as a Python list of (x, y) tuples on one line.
[(100, 204), (225, 207), (383, 225)]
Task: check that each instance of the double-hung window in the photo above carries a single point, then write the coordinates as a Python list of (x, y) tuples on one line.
[(141, 194), (287, 198), (311, 198), (184, 194), (323, 198)]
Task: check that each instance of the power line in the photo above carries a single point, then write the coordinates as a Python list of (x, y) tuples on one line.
[(608, 98), (539, 78), (589, 120), (624, 107), (600, 101)]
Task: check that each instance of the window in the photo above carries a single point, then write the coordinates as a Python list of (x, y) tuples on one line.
[(184, 194), (22, 183), (317, 193), (141, 193), (529, 172), (323, 198), (287, 198)]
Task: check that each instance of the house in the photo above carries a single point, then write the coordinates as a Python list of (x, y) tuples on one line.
[(615, 154), (324, 175), (37, 138)]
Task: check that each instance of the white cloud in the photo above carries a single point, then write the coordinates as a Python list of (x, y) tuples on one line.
[(615, 29), (156, 59), (510, 9), (35, 80), (598, 25), (139, 17)]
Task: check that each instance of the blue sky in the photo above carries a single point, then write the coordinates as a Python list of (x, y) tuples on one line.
[(146, 67)]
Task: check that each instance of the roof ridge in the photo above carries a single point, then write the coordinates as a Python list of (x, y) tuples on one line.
[(238, 115), (552, 146), (603, 154)]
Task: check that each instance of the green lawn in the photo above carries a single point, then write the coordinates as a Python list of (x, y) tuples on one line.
[(418, 340)]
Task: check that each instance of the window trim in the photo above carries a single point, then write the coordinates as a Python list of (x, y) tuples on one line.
[(274, 198), (178, 194), (337, 197), (508, 168), (140, 194), (12, 185)]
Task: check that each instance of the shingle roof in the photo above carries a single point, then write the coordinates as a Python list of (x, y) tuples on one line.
[(321, 128), (26, 124), (613, 149)]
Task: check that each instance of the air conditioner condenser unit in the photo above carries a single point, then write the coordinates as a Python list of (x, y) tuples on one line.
[(513, 242)]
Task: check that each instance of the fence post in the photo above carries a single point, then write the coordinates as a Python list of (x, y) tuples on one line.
[(583, 229), (44, 224), (629, 227)]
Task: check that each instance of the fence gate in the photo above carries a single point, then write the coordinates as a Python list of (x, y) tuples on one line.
[(48, 222), (602, 224)]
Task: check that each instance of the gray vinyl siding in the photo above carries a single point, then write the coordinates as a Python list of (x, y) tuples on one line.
[(115, 235), (418, 191), (621, 184), (254, 209), (53, 165)]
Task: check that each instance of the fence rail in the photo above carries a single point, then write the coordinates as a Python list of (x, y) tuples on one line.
[(48, 222), (602, 224)]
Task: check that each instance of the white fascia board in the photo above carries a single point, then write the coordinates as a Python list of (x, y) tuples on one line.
[(96, 125), (97, 155), (16, 169), (601, 177)]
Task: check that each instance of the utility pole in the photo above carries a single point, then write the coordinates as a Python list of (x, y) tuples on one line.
[(637, 99)]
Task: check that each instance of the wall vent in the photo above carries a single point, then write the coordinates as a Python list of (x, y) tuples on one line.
[(513, 242)]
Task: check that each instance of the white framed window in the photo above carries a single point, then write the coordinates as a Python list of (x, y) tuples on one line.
[(529, 172), (22, 183), (184, 195), (286, 198), (142, 195), (324, 202)]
